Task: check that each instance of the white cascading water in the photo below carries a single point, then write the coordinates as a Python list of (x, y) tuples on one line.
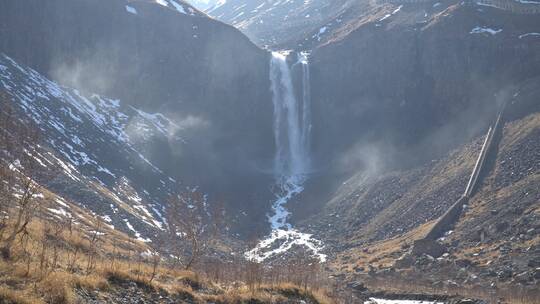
[(292, 132), (292, 155)]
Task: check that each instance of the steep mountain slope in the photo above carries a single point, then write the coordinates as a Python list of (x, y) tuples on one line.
[(417, 81), (165, 59), (491, 251), (94, 147), (373, 206), (276, 22)]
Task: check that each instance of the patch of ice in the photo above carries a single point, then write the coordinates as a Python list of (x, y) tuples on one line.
[(136, 233), (59, 211), (481, 30), (162, 2), (283, 236), (38, 195), (105, 170), (391, 14), (529, 35), (68, 168), (131, 9), (62, 203), (178, 7), (486, 4)]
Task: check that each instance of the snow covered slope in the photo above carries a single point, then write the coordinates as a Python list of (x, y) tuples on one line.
[(98, 146), (273, 22), (155, 56)]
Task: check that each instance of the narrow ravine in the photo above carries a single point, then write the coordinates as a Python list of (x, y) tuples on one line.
[(292, 163)]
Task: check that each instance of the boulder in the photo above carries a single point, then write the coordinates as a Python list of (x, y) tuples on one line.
[(523, 277), (429, 247), (534, 263), (371, 270), (536, 274), (424, 260), (405, 261), (357, 286), (359, 269), (501, 226), (463, 263), (504, 274)]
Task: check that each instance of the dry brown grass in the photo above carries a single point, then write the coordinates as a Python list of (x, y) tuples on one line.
[(57, 288), (279, 293), (32, 276), (55, 257), (382, 253), (10, 296), (28, 282)]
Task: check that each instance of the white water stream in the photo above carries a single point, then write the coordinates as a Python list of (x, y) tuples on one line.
[(292, 163)]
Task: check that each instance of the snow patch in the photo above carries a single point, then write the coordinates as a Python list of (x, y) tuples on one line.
[(178, 7), (391, 14), (131, 9), (162, 2), (529, 35), (383, 301), (60, 212), (481, 30), (62, 203), (136, 233)]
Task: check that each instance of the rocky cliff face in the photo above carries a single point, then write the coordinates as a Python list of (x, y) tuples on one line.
[(283, 23), (414, 80), (165, 59)]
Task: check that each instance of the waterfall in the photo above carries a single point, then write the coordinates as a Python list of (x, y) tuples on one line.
[(292, 120), (306, 102), (292, 132)]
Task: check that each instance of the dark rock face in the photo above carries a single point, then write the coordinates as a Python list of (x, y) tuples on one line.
[(152, 58), (416, 89), (207, 77)]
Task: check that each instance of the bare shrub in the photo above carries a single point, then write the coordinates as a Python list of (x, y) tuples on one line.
[(56, 289), (19, 169), (192, 226)]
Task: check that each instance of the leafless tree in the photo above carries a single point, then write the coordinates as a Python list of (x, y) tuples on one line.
[(57, 230), (94, 246), (17, 141), (155, 259), (192, 225), (77, 245), (6, 176)]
